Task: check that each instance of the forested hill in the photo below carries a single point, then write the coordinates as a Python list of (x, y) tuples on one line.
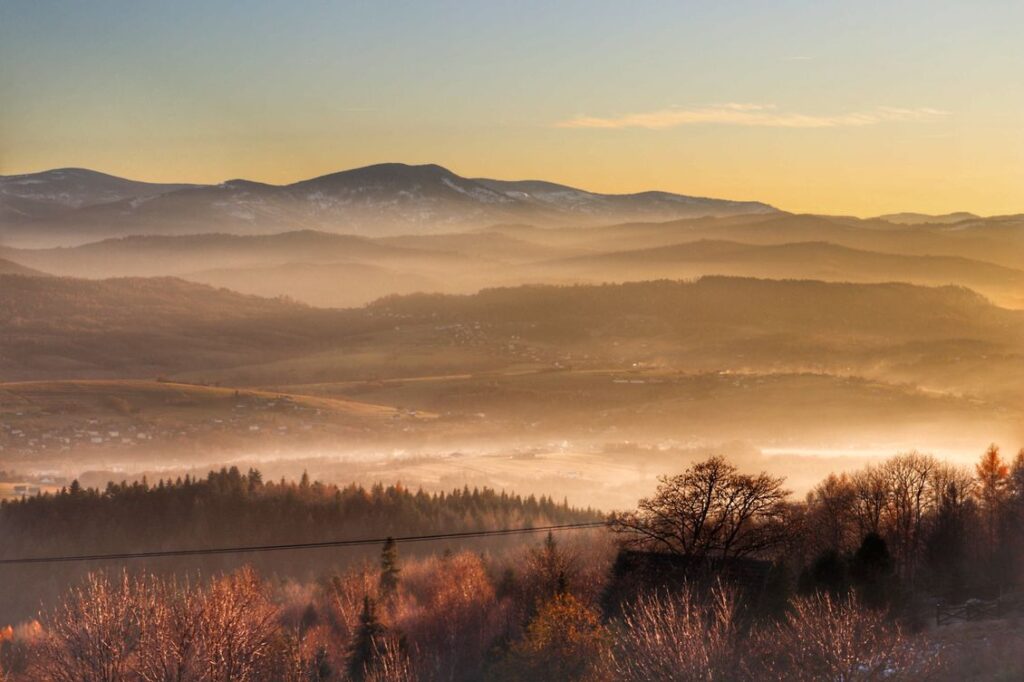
[(715, 303), (229, 508), (145, 327)]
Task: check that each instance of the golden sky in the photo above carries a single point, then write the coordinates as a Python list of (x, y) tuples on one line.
[(834, 107)]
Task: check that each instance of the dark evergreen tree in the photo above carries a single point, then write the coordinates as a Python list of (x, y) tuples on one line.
[(828, 574), (389, 568), (365, 642), (946, 549), (552, 568), (872, 571)]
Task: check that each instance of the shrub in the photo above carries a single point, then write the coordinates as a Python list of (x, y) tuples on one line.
[(565, 641), (676, 637), (824, 638)]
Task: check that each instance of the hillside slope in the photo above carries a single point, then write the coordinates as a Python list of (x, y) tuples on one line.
[(63, 327), (947, 337), (800, 260), (11, 268), (993, 240)]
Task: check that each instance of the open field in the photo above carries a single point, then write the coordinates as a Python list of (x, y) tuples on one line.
[(771, 409)]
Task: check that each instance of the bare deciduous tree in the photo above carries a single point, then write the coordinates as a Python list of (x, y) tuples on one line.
[(870, 495), (711, 511), (450, 616), (93, 635), (237, 628), (171, 617), (157, 630), (392, 664), (909, 480), (831, 522)]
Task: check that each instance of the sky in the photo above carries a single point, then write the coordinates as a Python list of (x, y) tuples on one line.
[(824, 106)]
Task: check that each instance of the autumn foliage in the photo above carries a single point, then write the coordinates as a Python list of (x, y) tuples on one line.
[(836, 599)]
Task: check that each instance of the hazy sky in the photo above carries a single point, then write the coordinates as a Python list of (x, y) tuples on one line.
[(834, 106)]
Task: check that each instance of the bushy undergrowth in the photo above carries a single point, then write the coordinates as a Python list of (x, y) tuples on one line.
[(532, 614), (593, 605)]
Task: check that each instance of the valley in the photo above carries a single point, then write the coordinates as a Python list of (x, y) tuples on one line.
[(576, 353)]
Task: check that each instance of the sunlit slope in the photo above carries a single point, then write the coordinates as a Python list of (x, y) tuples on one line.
[(645, 404), (137, 397)]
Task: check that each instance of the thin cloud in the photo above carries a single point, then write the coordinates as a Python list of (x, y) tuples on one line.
[(751, 115)]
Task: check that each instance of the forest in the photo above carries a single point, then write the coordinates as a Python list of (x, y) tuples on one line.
[(231, 508), (719, 575)]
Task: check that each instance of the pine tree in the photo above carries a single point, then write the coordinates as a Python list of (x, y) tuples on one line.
[(389, 568), (364, 644), (553, 567)]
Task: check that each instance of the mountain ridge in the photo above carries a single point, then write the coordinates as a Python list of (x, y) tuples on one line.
[(67, 206)]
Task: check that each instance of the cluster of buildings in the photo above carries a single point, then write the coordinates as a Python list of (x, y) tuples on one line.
[(474, 335), (28, 434)]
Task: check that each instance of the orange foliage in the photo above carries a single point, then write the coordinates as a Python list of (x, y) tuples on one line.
[(565, 641)]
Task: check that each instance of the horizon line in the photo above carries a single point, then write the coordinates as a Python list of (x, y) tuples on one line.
[(860, 216)]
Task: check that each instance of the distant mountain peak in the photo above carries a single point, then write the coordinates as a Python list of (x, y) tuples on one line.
[(67, 206), (382, 172), (37, 195)]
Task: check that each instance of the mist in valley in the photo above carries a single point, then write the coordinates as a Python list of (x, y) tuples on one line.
[(563, 342), (576, 360), (212, 403)]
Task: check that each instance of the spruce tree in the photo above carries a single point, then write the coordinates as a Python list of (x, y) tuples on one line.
[(364, 644), (389, 568)]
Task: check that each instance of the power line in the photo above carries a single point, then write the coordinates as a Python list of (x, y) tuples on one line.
[(296, 545)]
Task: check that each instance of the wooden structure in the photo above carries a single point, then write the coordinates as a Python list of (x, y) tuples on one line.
[(978, 609)]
